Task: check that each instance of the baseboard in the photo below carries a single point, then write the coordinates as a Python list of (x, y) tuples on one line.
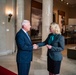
[(6, 52)]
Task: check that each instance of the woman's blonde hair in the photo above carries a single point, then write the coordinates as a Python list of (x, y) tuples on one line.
[(56, 28)]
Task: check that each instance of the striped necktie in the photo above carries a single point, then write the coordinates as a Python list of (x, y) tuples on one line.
[(27, 35)]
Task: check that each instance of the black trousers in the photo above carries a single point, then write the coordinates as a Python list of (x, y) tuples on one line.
[(23, 68)]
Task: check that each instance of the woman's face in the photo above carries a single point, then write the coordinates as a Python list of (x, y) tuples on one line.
[(51, 30)]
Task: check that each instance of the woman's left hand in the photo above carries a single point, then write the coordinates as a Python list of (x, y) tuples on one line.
[(49, 46)]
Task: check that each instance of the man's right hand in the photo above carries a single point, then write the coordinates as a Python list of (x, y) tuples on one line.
[(35, 46)]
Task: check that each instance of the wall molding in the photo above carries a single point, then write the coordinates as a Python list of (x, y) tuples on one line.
[(6, 52)]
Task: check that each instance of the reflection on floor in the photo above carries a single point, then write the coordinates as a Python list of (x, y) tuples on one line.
[(38, 66)]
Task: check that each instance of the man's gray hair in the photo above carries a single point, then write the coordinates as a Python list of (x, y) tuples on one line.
[(25, 22)]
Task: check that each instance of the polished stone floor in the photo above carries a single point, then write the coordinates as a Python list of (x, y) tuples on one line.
[(38, 65)]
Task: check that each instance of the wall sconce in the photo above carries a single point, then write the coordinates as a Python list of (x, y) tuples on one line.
[(9, 17)]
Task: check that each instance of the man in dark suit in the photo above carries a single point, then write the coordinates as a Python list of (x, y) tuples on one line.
[(25, 49)]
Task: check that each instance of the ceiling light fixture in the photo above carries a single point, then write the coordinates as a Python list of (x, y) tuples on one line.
[(61, 0), (67, 3)]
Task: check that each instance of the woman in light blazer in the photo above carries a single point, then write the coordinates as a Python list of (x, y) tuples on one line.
[(55, 44)]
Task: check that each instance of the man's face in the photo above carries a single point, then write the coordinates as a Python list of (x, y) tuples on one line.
[(27, 26)]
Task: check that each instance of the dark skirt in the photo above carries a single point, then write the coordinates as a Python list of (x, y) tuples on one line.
[(53, 66)]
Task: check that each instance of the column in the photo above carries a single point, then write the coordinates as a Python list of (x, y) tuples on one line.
[(27, 9), (20, 13), (47, 18)]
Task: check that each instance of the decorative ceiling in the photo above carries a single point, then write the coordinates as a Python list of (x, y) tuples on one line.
[(68, 2), (38, 1), (71, 2)]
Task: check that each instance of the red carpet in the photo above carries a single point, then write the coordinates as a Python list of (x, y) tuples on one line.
[(4, 71)]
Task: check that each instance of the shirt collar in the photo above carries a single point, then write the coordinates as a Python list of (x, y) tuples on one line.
[(24, 30)]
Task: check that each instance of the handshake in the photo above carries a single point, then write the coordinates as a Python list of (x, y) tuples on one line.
[(35, 46)]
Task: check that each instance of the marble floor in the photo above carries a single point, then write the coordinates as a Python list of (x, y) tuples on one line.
[(38, 66)]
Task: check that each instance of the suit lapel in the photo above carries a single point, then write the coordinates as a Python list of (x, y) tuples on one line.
[(26, 36)]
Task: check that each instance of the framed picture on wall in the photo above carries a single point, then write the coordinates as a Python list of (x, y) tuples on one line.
[(61, 15), (36, 21), (54, 17)]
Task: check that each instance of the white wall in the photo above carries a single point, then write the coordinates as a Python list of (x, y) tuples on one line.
[(7, 29)]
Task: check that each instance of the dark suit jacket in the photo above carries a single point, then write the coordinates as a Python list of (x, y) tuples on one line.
[(57, 46), (24, 46)]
